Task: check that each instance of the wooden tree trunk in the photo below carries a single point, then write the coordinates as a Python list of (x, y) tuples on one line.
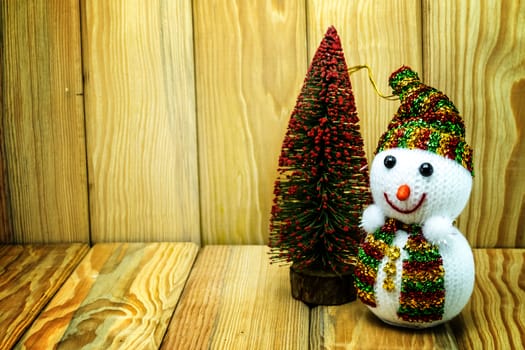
[(317, 287)]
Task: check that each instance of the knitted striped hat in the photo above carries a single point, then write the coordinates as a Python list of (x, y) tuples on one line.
[(426, 120)]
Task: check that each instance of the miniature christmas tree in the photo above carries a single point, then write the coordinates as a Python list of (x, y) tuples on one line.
[(322, 186)]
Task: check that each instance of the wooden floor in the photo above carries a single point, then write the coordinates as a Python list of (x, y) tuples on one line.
[(177, 296)]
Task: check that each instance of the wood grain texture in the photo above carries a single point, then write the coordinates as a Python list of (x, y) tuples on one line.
[(143, 86), (474, 53), (235, 300), (353, 326), (495, 315), (250, 63), (43, 121), (6, 225), (120, 297), (494, 318), (140, 117), (30, 276), (384, 35)]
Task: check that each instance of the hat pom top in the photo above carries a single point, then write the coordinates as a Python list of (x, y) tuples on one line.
[(402, 78)]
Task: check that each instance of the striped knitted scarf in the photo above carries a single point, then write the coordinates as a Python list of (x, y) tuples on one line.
[(422, 295)]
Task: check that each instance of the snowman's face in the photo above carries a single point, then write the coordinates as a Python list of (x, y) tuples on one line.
[(413, 185)]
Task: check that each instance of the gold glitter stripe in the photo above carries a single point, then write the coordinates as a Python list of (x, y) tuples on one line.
[(418, 245), (366, 270), (422, 305), (444, 143), (377, 244), (424, 276), (367, 298)]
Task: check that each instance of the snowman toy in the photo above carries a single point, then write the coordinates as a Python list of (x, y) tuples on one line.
[(414, 268)]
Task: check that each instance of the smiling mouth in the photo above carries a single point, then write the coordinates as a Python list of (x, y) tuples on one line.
[(406, 211)]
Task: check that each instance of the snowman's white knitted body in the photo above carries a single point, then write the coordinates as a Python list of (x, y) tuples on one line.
[(433, 201)]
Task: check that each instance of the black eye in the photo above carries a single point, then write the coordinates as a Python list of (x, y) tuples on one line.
[(390, 162), (426, 169)]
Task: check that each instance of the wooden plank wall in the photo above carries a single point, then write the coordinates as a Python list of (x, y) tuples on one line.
[(43, 122), (140, 118), (163, 121), (250, 63)]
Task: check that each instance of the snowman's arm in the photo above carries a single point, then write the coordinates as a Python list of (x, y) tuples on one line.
[(373, 218), (436, 229)]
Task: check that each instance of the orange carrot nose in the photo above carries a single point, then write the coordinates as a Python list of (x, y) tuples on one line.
[(403, 192)]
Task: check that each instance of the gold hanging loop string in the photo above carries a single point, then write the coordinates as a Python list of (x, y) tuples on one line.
[(354, 69)]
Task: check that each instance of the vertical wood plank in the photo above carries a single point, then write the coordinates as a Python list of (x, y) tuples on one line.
[(384, 35), (473, 51), (121, 296), (140, 116), (250, 62), (43, 121), (31, 275), (6, 226), (234, 299)]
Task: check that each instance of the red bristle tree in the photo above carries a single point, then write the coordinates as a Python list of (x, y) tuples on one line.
[(322, 184)]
